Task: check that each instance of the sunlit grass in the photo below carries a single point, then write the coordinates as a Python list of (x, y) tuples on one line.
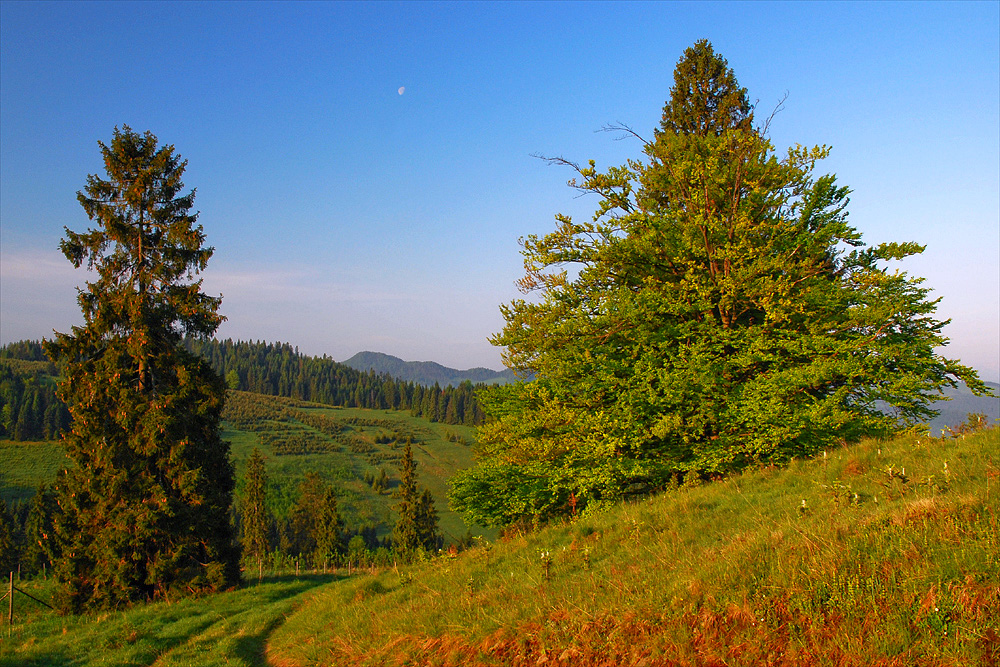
[(225, 629), (880, 566), (738, 572)]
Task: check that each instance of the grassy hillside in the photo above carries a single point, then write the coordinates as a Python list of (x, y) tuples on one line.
[(25, 465), (874, 554), (344, 445), (341, 444), (880, 553)]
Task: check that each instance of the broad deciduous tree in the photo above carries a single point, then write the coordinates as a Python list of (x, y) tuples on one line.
[(144, 510), (718, 311)]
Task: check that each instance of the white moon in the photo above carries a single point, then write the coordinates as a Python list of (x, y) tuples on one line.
[(402, 89)]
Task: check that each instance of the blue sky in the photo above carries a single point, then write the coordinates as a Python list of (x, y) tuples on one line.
[(347, 216)]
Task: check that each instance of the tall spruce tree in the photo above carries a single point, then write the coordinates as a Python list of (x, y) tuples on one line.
[(417, 524), (329, 529), (300, 530), (256, 522), (720, 313), (144, 510)]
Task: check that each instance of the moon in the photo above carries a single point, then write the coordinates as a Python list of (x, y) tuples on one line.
[(402, 89)]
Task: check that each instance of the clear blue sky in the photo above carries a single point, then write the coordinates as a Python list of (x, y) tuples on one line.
[(347, 216)]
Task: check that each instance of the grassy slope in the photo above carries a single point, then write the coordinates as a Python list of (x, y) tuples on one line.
[(731, 573), (225, 629), (437, 460), (23, 465)]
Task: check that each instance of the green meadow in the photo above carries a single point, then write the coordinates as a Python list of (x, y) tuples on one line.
[(878, 553), (370, 441)]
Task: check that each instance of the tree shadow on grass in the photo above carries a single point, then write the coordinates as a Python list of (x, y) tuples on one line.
[(232, 627)]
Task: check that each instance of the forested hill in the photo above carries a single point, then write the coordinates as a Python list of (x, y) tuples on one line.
[(426, 373), (30, 410), (278, 369)]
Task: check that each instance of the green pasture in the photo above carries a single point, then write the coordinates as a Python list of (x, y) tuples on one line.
[(24, 465), (875, 553)]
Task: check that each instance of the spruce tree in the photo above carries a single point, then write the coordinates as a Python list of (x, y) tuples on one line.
[(145, 506), (706, 97), (39, 534), (304, 515), (427, 522), (406, 532), (255, 519), (329, 529), (417, 523)]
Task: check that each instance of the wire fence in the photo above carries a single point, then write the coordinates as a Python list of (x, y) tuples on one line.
[(9, 596)]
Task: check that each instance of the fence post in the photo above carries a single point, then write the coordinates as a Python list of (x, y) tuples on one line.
[(10, 611)]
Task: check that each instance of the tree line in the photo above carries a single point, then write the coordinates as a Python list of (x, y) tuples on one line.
[(31, 410), (279, 369), (313, 534), (29, 406)]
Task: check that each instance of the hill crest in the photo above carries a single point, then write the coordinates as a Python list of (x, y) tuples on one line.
[(425, 373)]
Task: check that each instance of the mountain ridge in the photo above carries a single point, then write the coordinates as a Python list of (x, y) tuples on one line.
[(426, 373)]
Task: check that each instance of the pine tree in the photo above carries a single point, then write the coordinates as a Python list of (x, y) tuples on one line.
[(329, 529), (417, 523), (145, 507), (8, 543), (255, 519), (40, 547)]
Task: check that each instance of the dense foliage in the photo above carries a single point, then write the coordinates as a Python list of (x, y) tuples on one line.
[(145, 509), (717, 312), (29, 406)]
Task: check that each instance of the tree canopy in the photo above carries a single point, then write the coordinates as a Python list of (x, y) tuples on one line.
[(718, 311), (144, 510)]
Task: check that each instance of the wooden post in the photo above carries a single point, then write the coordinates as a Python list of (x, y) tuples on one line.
[(10, 611)]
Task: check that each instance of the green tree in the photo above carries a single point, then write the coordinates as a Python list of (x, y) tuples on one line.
[(301, 529), (329, 529), (256, 522), (416, 526), (8, 543), (39, 534), (717, 312), (145, 507)]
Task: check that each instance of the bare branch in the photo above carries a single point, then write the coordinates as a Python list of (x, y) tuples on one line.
[(561, 161), (626, 131), (777, 108)]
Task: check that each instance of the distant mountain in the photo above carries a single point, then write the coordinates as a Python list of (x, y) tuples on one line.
[(425, 372), (963, 402)]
